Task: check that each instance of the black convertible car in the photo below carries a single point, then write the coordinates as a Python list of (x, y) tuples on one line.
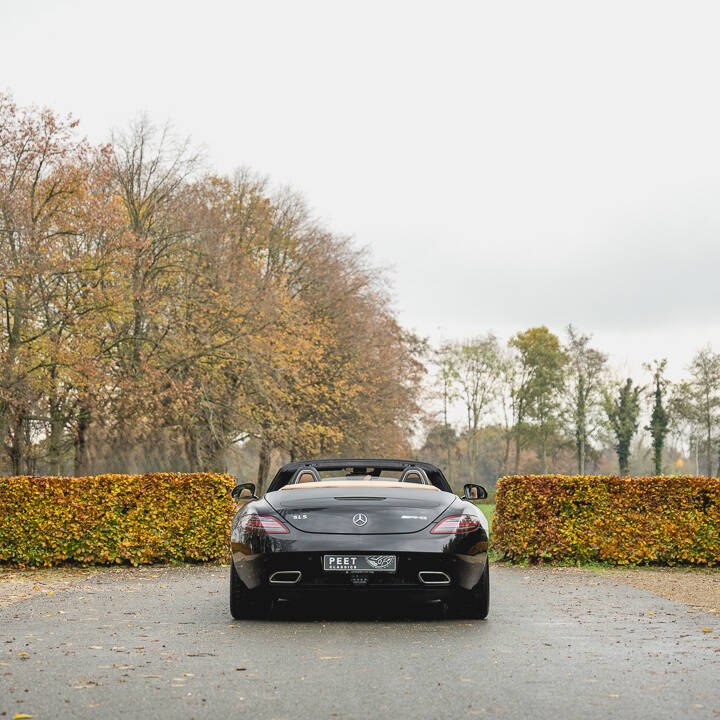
[(355, 526)]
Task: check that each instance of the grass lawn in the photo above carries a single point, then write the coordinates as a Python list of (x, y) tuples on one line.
[(488, 511)]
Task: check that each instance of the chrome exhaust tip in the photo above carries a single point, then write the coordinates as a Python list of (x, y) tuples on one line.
[(433, 577), (285, 577)]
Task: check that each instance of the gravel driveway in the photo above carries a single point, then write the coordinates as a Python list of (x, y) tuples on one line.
[(160, 642)]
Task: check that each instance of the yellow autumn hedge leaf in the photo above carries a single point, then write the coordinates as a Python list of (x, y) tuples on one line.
[(107, 519), (667, 520)]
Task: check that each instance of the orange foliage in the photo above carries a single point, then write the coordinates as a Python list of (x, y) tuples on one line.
[(665, 520), (105, 519)]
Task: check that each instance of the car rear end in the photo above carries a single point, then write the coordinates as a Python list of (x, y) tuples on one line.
[(414, 542)]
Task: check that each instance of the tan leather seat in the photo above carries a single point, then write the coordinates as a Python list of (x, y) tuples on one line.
[(414, 475), (305, 476)]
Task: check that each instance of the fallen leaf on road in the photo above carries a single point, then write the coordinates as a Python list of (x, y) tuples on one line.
[(22, 716), (707, 630), (152, 676), (96, 647), (330, 657)]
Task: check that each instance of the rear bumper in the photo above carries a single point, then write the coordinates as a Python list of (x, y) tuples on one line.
[(257, 570)]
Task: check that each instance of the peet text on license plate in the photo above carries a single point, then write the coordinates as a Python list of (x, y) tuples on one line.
[(360, 563)]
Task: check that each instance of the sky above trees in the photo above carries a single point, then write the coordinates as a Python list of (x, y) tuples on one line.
[(514, 164)]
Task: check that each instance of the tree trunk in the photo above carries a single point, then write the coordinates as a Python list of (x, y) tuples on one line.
[(4, 427), (543, 435), (709, 450), (17, 443), (472, 454), (192, 453), (623, 462), (81, 463), (263, 465), (658, 448), (30, 463), (57, 427), (217, 457)]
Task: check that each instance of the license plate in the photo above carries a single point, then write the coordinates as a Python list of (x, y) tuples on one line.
[(360, 563)]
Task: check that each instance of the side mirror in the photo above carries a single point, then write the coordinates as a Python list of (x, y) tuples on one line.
[(474, 492), (244, 491)]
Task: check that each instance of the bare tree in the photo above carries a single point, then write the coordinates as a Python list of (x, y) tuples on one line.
[(446, 377), (585, 369), (697, 402), (475, 370)]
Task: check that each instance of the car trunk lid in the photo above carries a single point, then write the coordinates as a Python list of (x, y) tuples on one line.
[(360, 510)]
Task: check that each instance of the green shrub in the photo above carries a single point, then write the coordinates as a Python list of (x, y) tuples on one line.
[(158, 517), (650, 520)]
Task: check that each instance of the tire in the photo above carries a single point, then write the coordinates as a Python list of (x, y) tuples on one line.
[(475, 603), (246, 604)]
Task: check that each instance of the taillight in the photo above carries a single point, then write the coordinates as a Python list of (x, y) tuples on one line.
[(456, 525), (263, 524)]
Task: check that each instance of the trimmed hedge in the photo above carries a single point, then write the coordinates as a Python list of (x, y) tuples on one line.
[(137, 519), (668, 520)]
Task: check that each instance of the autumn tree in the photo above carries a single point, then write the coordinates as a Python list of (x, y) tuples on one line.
[(152, 170), (44, 166), (537, 394), (155, 316)]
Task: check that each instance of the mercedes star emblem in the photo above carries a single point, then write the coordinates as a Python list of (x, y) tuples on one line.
[(360, 519)]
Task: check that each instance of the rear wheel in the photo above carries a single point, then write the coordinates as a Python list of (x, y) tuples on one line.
[(246, 604), (474, 603)]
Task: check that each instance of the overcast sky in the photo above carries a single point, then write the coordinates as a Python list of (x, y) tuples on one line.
[(512, 163)]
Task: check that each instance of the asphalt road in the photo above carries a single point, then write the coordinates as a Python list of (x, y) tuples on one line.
[(159, 642)]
